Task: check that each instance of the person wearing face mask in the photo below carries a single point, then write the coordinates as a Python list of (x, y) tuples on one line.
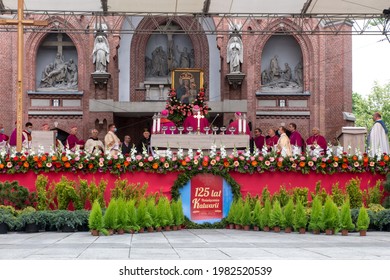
[(3, 139), (112, 144), (26, 137)]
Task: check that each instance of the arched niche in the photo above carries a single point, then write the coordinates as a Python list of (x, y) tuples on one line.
[(165, 52), (282, 65), (56, 63)]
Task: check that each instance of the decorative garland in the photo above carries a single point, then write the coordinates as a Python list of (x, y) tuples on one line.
[(183, 179)]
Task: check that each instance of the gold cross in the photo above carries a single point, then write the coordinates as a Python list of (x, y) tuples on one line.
[(20, 22)]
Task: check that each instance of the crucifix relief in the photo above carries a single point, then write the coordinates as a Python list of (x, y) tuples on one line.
[(58, 74)]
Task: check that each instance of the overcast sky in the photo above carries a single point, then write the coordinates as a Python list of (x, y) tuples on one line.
[(370, 62)]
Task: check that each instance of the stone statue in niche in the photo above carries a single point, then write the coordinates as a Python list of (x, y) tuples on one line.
[(159, 62), (101, 54), (60, 74), (184, 60), (235, 54), (192, 58), (275, 79)]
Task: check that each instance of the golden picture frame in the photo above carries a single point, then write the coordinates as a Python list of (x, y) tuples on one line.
[(187, 82)]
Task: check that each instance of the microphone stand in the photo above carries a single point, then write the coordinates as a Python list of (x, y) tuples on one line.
[(211, 124)]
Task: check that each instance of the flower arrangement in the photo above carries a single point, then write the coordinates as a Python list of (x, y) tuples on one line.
[(178, 111), (218, 160)]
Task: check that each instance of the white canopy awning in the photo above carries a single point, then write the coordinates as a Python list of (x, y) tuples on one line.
[(281, 7)]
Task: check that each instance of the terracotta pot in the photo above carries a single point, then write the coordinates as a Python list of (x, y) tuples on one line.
[(174, 228), (110, 231), (246, 228), (131, 231), (328, 231), (302, 230), (316, 231), (344, 232), (158, 229), (150, 229), (363, 232), (266, 228), (231, 226), (141, 230), (167, 228), (94, 232), (288, 230), (238, 226), (256, 228), (276, 229), (120, 231)]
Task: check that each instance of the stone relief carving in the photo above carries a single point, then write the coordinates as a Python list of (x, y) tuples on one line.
[(60, 74), (282, 80)]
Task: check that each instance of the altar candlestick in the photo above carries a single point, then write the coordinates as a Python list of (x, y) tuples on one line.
[(239, 125), (244, 124), (154, 123)]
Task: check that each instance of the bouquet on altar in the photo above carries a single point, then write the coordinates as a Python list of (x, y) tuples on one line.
[(178, 110)]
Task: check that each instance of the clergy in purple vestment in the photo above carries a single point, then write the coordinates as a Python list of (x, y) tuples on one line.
[(296, 139), (164, 121), (235, 124), (316, 139), (192, 121), (272, 139), (72, 142), (259, 139)]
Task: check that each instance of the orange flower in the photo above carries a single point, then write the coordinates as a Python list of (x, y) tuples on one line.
[(54, 158), (23, 158), (64, 158), (336, 158), (226, 164), (90, 166), (344, 166), (126, 163), (118, 165), (323, 164), (386, 158), (183, 162), (345, 160), (279, 164), (155, 165), (365, 159), (39, 164), (355, 158), (205, 163), (67, 164), (302, 164), (43, 158), (254, 163), (35, 158), (1, 166)]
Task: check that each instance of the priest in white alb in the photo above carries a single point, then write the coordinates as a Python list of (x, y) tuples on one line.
[(378, 139)]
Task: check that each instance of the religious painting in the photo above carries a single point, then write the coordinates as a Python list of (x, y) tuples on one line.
[(187, 83)]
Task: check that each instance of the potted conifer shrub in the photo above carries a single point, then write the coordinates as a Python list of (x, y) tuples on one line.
[(256, 216), (300, 218), (66, 221), (132, 216), (288, 216), (111, 216), (315, 223), (329, 218), (238, 214), (276, 217), (345, 218), (363, 221), (177, 213), (144, 219), (152, 210), (7, 221), (122, 218), (245, 220), (266, 214), (95, 221), (161, 220), (29, 220), (231, 214)]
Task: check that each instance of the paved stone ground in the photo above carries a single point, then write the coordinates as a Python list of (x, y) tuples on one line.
[(204, 244)]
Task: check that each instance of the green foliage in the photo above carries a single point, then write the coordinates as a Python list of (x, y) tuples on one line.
[(265, 194), (288, 214), (386, 184), (230, 216), (8, 218), (256, 214), (122, 217), (316, 222), (11, 193), (283, 196), (354, 193), (96, 192), (179, 219), (338, 196), (245, 218), (375, 194), (276, 217), (300, 218), (330, 216), (266, 213), (300, 194), (65, 193), (82, 192), (363, 221), (128, 190), (132, 215), (238, 212), (66, 218), (111, 215), (164, 213), (345, 217), (95, 220), (144, 220), (41, 184), (152, 210)]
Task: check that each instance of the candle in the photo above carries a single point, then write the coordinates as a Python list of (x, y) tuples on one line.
[(154, 124), (244, 125), (239, 125), (198, 121), (158, 124)]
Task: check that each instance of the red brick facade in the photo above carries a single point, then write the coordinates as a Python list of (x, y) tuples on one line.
[(327, 77)]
